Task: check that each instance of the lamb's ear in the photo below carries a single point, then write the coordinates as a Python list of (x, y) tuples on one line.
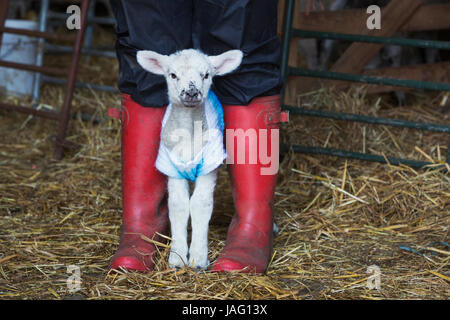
[(152, 61), (226, 62)]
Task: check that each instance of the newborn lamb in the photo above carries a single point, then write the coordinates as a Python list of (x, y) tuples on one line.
[(191, 147)]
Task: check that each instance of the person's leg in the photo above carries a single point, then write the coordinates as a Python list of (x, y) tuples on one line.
[(144, 209), (250, 26), (252, 131), (161, 26), (144, 25), (251, 107)]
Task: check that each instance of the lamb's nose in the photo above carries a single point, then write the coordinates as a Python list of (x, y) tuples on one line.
[(192, 92)]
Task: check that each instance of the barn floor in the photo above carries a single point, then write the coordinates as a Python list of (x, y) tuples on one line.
[(336, 217)]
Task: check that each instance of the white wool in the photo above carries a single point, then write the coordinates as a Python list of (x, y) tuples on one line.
[(184, 70), (211, 154)]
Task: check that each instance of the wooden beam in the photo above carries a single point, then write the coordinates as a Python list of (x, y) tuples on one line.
[(358, 55), (429, 17), (396, 14), (435, 72)]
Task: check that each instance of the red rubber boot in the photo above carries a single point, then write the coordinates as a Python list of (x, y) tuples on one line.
[(249, 240), (143, 187)]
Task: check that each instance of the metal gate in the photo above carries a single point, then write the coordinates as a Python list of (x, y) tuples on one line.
[(289, 32)]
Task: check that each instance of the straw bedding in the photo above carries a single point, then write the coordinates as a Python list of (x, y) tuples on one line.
[(337, 217)]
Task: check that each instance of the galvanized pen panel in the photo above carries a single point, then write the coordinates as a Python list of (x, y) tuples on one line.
[(289, 32)]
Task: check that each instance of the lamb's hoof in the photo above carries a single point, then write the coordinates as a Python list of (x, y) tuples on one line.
[(198, 264), (176, 260)]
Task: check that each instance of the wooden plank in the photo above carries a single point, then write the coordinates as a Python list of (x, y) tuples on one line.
[(40, 113), (396, 14), (31, 67), (358, 55), (425, 18), (39, 34), (435, 72), (429, 17)]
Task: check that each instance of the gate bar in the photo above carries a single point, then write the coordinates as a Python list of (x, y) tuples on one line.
[(40, 113), (39, 34), (367, 119), (415, 84), (444, 45), (32, 67), (286, 71), (65, 111), (358, 156)]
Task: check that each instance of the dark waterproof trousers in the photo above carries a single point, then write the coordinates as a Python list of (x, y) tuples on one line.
[(213, 26)]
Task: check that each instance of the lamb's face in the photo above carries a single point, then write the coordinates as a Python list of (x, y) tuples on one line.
[(189, 72), (189, 78)]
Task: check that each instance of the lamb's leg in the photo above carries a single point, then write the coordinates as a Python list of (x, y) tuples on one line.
[(178, 203), (201, 206)]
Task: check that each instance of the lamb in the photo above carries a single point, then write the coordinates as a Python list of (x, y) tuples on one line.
[(191, 146)]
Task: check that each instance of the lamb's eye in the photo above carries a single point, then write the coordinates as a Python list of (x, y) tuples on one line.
[(173, 75), (206, 76)]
